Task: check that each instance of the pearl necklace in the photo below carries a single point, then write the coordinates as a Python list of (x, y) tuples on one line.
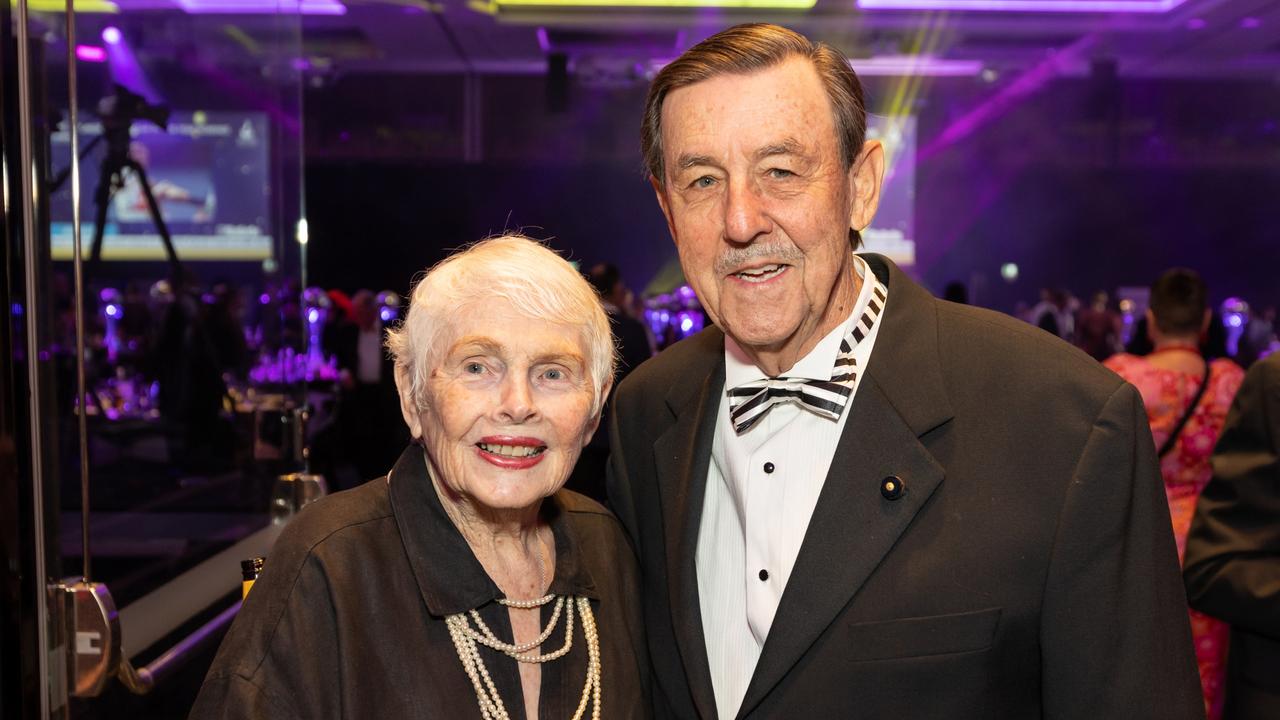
[(465, 639)]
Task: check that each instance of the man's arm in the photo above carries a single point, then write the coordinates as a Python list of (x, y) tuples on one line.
[(1233, 549), (1115, 637)]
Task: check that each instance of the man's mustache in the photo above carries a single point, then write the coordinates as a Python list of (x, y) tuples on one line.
[(734, 258)]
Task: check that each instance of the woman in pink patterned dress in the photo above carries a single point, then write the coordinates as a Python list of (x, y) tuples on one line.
[(1169, 380)]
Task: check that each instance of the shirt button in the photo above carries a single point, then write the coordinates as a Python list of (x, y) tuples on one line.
[(768, 468), (764, 575)]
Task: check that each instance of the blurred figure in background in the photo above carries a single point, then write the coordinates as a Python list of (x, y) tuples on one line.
[(956, 292), (628, 332), (633, 347), (1187, 398), (1259, 335), (369, 404), (1233, 548), (1052, 314), (1098, 328)]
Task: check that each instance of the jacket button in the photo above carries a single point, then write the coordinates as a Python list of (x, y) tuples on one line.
[(892, 487)]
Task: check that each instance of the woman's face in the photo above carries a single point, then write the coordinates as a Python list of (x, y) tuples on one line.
[(508, 407)]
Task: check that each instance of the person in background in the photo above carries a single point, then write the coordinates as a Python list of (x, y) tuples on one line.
[(1259, 336), (1232, 567), (634, 347), (1098, 328), (956, 292), (1186, 398), (371, 438), (628, 332)]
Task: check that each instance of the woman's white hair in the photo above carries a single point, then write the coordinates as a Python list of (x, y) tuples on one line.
[(536, 281)]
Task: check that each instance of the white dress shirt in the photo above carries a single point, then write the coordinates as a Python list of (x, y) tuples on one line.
[(762, 487)]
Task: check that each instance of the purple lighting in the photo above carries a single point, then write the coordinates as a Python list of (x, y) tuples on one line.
[(1196, 24), (111, 35), (91, 53), (1047, 6), (257, 7), (1250, 23)]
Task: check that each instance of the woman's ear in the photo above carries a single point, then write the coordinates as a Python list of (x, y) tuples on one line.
[(408, 404)]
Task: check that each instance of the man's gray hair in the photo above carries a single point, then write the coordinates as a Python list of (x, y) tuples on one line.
[(536, 281)]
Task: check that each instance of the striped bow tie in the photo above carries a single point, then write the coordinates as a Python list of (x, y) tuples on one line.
[(749, 402)]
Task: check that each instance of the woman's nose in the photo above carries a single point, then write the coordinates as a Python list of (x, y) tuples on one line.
[(517, 403)]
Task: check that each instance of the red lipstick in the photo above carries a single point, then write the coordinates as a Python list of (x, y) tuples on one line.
[(511, 452)]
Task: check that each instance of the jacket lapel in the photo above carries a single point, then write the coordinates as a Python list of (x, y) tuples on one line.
[(682, 456), (901, 397)]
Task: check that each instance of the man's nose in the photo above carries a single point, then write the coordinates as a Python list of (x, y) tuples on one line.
[(517, 404), (744, 213)]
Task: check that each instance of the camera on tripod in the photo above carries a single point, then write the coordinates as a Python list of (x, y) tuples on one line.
[(122, 107)]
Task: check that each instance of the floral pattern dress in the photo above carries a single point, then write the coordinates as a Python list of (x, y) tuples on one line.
[(1186, 471)]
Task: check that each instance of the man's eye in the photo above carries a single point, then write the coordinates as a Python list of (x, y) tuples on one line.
[(704, 182), (553, 374), (779, 173), (474, 368)]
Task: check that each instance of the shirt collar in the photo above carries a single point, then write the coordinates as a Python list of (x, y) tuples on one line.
[(449, 576), (817, 364)]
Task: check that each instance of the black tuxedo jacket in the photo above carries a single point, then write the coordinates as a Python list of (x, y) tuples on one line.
[(1027, 571), (1233, 549)]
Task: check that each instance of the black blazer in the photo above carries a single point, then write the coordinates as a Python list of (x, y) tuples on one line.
[(1233, 549), (1028, 570)]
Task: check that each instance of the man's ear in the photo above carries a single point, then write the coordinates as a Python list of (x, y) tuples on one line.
[(661, 192), (408, 406), (865, 179)]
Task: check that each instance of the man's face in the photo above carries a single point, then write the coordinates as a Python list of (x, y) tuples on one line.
[(760, 204)]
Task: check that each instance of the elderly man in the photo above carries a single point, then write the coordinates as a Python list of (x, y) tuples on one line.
[(851, 500)]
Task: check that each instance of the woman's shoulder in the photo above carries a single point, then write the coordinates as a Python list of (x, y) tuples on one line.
[(591, 521), (335, 513)]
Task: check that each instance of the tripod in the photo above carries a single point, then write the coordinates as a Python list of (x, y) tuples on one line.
[(111, 178)]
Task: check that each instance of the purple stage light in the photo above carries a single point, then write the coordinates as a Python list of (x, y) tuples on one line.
[(264, 299), (1196, 24), (543, 41), (91, 53), (1250, 23), (1046, 6), (112, 311), (257, 7), (111, 35)]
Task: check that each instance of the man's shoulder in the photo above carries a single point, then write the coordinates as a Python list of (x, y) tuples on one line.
[(982, 343), (684, 363)]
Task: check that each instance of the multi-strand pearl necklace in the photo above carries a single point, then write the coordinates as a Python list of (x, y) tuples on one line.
[(465, 639)]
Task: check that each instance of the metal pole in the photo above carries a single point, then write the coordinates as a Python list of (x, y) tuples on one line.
[(73, 115), (30, 184)]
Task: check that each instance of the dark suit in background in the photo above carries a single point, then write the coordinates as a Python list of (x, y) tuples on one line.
[(1233, 550), (1027, 571)]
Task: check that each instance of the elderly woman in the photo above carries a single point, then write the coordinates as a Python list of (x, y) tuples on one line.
[(466, 583)]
